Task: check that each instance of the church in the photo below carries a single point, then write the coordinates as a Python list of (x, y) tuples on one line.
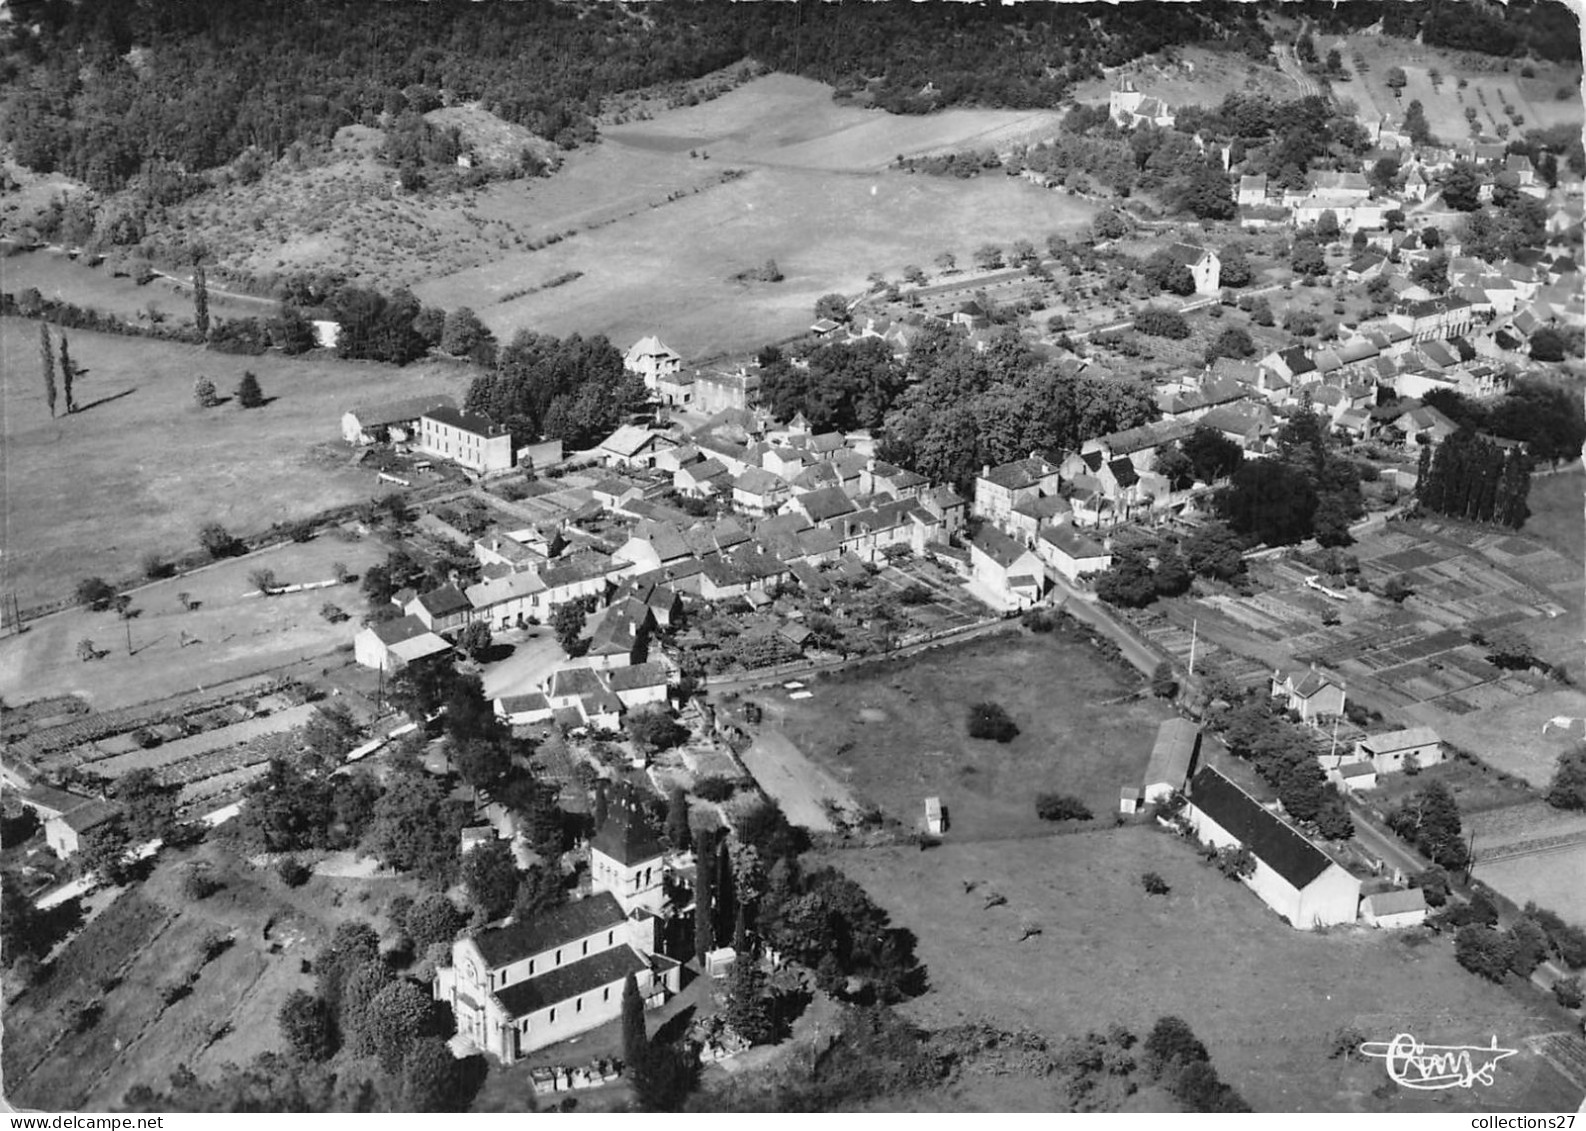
[(517, 988)]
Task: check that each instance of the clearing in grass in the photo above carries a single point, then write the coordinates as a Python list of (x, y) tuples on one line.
[(896, 733)]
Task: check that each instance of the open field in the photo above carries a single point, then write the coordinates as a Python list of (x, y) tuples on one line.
[(1490, 82), (814, 196), (142, 467), (150, 939), (235, 634), (1557, 886), (1264, 998), (894, 733), (58, 276), (1556, 503)]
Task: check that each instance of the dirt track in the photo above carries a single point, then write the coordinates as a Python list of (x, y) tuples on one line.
[(798, 784)]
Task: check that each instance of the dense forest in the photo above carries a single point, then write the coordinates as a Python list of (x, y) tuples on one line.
[(104, 92), (1545, 28)]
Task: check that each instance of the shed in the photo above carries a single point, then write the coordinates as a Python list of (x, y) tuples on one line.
[(935, 823), (1128, 800), (1178, 744), (1405, 908)]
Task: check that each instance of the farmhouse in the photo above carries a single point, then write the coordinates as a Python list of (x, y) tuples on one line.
[(632, 446), (441, 610), (1389, 753), (1354, 777), (1178, 744), (1311, 693), (393, 644), (1292, 875), (394, 421), (1129, 108), (521, 710), (1012, 574), (1070, 553), (465, 439), (1406, 908), (999, 489), (66, 816)]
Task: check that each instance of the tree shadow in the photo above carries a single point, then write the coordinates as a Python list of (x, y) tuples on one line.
[(674, 1029), (82, 408), (147, 645), (496, 652)]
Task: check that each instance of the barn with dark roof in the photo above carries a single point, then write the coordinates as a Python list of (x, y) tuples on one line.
[(1293, 876)]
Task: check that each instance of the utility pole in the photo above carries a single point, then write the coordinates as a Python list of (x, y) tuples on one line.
[(1194, 632)]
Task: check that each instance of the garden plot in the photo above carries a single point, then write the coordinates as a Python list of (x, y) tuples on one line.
[(184, 749)]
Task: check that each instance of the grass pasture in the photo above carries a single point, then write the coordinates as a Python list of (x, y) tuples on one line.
[(658, 233), (894, 733), (1263, 997), (236, 634), (1209, 78), (142, 467)]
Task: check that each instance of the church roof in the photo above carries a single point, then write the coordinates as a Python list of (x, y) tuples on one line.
[(570, 981), (501, 946)]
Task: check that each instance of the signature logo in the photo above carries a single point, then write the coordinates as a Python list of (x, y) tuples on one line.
[(1430, 1068)]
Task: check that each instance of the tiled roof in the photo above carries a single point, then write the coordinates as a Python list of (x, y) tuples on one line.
[(1071, 542), (998, 546), (1020, 473), (826, 504), (447, 599), (1399, 740), (565, 983), (1269, 839), (398, 412), (502, 946), (467, 421)]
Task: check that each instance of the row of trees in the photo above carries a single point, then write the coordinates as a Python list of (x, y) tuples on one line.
[(1468, 476)]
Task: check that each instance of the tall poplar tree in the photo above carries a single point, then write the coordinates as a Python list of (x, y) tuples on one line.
[(201, 300), (47, 357), (67, 374), (704, 895)]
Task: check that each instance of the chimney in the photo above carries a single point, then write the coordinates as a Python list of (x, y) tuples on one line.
[(985, 471)]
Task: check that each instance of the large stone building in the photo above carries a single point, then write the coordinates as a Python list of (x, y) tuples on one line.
[(517, 988), (465, 439)]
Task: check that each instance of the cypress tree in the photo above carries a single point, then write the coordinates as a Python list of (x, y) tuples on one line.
[(635, 1042), (201, 301), (67, 373), (704, 895), (726, 895), (47, 357)]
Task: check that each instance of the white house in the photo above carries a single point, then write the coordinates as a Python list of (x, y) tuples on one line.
[(391, 644), (1389, 753), (66, 817), (1204, 266), (1292, 875), (1310, 693), (1129, 108), (1406, 908), (1012, 574), (652, 360)]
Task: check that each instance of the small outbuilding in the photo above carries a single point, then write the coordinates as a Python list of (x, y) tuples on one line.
[(1389, 909)]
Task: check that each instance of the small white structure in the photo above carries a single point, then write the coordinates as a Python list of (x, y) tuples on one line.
[(1354, 777), (1389, 753), (1390, 909), (1178, 745), (1204, 266), (934, 823), (1129, 800), (719, 962)]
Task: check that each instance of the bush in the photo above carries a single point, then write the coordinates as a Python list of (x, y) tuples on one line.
[(1161, 323), (293, 872), (96, 593), (198, 885), (1483, 950), (1154, 884), (1567, 991), (713, 788), (218, 542), (1061, 807), (989, 720)]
